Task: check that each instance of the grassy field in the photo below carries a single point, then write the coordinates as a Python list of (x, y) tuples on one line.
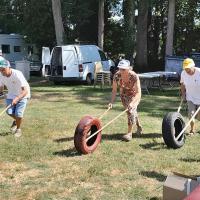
[(43, 163)]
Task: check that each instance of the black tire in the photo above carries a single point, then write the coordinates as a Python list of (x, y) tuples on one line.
[(39, 73), (89, 79), (172, 125), (57, 82), (87, 125)]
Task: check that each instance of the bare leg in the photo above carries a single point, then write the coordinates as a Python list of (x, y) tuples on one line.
[(18, 121), (130, 128), (192, 127), (138, 122), (139, 127)]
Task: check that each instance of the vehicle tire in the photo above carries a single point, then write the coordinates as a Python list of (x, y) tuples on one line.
[(86, 127), (57, 82), (172, 125), (39, 73), (89, 79)]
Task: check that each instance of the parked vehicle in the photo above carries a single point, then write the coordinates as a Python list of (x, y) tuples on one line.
[(35, 65), (73, 62), (14, 48), (35, 68)]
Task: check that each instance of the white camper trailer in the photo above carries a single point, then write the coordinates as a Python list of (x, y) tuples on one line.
[(73, 62), (14, 48)]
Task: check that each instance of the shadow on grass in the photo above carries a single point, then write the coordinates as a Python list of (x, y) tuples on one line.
[(5, 133), (189, 160), (153, 146), (116, 136), (154, 198), (65, 139), (148, 135), (67, 153), (152, 174)]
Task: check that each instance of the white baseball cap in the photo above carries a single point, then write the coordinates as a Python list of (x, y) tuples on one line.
[(124, 64), (4, 63)]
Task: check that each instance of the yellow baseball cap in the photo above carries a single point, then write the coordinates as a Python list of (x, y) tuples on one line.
[(188, 63)]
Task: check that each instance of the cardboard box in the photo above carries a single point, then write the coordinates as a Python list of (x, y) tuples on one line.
[(178, 186)]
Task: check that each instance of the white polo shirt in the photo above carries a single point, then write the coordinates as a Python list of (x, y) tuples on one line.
[(192, 85), (14, 83)]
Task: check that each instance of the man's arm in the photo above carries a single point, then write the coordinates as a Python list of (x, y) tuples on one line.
[(1, 90), (113, 95), (24, 92), (183, 91)]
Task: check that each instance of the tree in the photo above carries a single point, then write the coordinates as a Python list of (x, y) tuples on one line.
[(129, 28), (35, 21), (101, 24), (8, 18), (56, 7), (187, 27), (157, 21), (170, 28), (141, 42)]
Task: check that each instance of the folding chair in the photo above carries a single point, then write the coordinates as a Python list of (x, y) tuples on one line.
[(101, 76)]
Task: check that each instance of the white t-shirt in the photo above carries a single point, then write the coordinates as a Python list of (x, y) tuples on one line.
[(192, 85), (14, 83)]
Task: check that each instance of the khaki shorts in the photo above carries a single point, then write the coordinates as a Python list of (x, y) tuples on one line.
[(192, 109)]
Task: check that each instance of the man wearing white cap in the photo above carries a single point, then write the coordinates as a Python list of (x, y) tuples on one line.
[(190, 88), (130, 93), (18, 93)]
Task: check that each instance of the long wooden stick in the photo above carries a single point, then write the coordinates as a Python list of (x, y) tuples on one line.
[(193, 116), (104, 113), (106, 125), (179, 108), (5, 109)]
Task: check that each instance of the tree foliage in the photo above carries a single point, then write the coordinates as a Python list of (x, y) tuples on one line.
[(129, 28)]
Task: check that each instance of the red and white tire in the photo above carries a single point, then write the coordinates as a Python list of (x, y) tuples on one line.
[(86, 127)]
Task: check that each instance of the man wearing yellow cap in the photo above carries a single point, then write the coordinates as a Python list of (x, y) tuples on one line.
[(190, 88)]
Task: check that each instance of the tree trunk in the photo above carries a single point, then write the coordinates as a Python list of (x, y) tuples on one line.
[(56, 7), (101, 24), (129, 28), (141, 42), (170, 28)]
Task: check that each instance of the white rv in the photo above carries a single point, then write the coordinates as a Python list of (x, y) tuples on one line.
[(73, 62), (14, 48)]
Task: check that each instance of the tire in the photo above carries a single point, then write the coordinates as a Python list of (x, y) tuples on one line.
[(89, 79), (172, 125), (86, 125), (57, 82), (39, 73)]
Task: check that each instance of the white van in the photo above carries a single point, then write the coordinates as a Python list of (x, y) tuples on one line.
[(73, 62)]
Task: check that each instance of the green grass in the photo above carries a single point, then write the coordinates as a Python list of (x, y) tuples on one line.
[(44, 165)]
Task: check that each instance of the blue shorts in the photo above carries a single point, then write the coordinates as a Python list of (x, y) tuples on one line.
[(18, 109)]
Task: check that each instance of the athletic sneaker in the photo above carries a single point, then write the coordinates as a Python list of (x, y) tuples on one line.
[(18, 132), (13, 127), (127, 137)]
